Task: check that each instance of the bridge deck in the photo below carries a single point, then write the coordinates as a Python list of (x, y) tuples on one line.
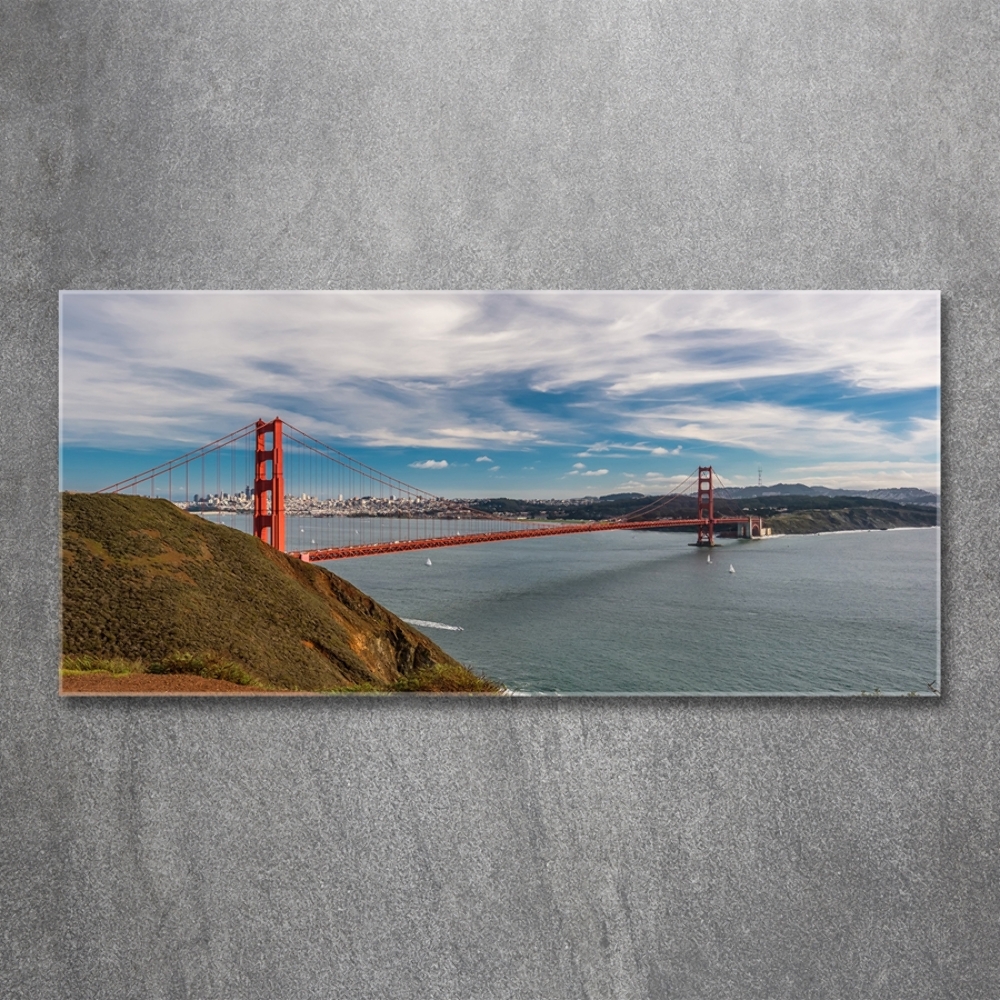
[(410, 544)]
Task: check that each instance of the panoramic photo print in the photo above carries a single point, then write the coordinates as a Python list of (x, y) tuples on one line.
[(500, 493)]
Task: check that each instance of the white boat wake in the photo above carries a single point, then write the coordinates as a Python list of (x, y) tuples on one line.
[(423, 624)]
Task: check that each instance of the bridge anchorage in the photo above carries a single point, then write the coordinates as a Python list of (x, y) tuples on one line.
[(354, 510)]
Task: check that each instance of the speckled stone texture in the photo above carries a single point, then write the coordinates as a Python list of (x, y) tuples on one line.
[(518, 848)]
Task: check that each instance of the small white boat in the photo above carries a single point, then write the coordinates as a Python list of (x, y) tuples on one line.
[(731, 570), (709, 558), (429, 563)]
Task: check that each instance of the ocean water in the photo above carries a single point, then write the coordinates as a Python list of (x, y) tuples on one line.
[(644, 612), (624, 612)]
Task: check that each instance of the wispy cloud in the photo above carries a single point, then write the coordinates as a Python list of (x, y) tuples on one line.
[(619, 449), (777, 376), (868, 475), (764, 427), (464, 436), (430, 464), (654, 483)]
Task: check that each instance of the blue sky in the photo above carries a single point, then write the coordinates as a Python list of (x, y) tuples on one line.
[(522, 394)]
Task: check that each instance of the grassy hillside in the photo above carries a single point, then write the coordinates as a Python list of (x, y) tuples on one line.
[(150, 589), (807, 522)]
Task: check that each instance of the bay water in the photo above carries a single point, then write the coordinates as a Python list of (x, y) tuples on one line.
[(644, 612)]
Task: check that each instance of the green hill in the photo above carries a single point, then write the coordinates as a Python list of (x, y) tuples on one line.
[(826, 512), (851, 518), (150, 589)]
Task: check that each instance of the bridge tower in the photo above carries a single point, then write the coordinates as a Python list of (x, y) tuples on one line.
[(269, 486), (706, 506)]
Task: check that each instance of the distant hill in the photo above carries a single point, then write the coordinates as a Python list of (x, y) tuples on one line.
[(850, 518), (907, 495), (156, 599), (766, 501), (578, 508), (612, 497)]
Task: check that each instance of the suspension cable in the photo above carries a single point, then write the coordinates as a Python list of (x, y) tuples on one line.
[(660, 502), (169, 466)]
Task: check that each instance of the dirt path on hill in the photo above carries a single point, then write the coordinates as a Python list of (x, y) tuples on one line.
[(98, 682)]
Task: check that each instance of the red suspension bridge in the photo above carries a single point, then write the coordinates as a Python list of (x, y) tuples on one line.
[(269, 472)]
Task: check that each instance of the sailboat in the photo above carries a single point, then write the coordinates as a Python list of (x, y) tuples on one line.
[(709, 558), (731, 570), (429, 563)]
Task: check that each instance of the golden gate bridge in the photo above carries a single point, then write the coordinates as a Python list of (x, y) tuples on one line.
[(286, 472)]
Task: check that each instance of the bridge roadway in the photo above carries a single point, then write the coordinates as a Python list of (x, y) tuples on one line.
[(410, 544)]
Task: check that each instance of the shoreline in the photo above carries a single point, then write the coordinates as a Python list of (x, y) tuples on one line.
[(857, 531)]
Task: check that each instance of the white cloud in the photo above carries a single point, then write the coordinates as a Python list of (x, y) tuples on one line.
[(579, 465), (429, 464), (469, 435), (442, 370), (654, 482), (866, 474), (603, 448), (494, 468), (596, 472), (770, 427)]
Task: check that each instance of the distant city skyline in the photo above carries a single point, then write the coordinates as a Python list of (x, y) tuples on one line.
[(521, 394)]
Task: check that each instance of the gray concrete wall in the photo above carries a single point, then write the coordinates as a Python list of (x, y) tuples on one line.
[(577, 848)]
